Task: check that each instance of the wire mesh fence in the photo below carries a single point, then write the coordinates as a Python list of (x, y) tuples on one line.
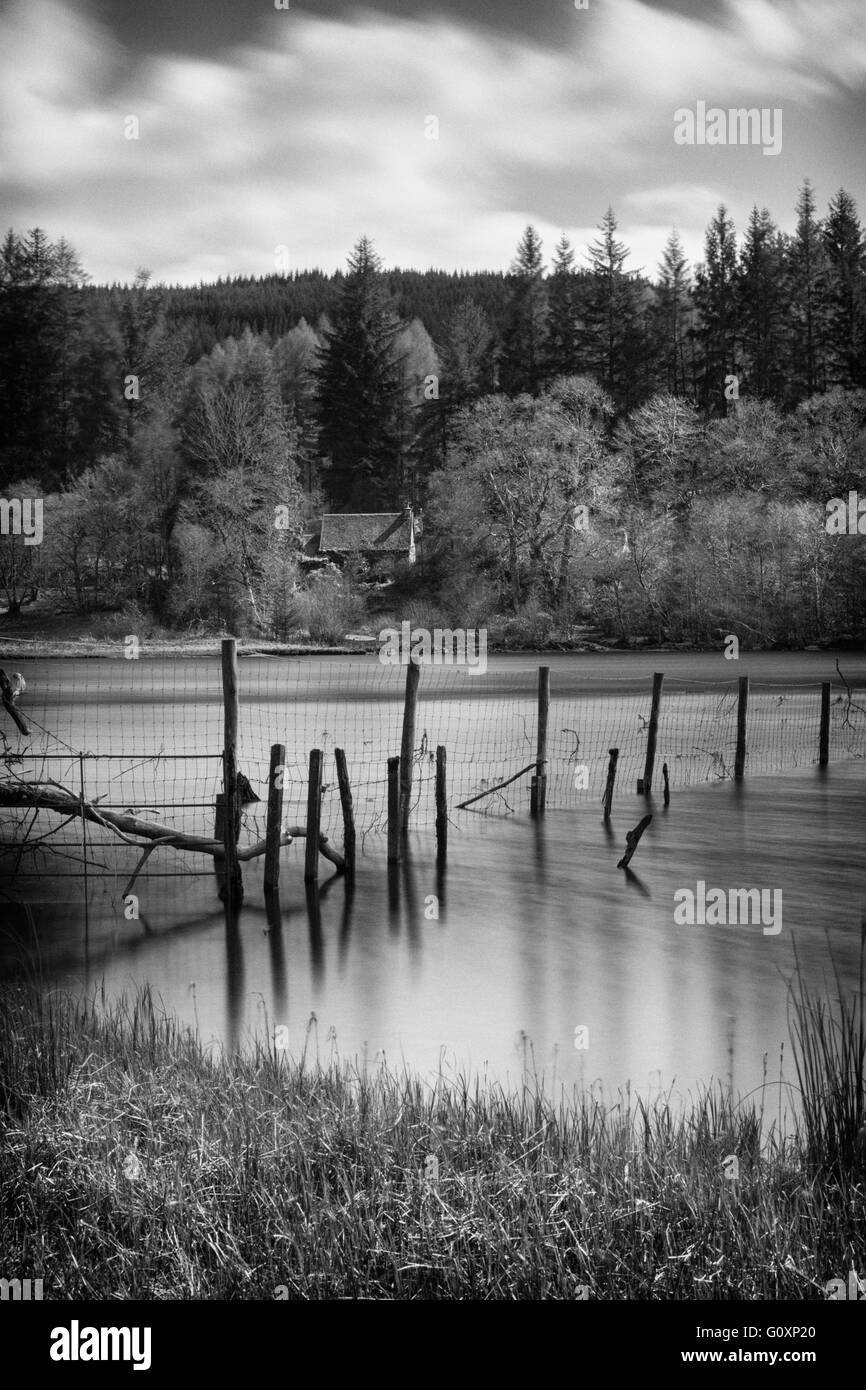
[(146, 737)]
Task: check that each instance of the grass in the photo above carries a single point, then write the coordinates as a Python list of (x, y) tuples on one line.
[(135, 1163)]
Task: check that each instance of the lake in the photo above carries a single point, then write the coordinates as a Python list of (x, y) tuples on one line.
[(531, 932)]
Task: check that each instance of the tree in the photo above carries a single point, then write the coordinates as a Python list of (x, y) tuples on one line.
[(523, 340), (673, 317), (563, 323), (761, 307), (40, 320), (417, 364), (846, 292), (716, 301), (245, 490), (806, 273), (359, 389), (615, 345), (515, 472)]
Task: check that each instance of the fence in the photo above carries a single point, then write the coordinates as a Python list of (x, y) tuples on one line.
[(147, 735)]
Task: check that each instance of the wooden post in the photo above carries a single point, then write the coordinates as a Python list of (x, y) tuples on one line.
[(220, 826), (824, 740), (348, 810), (407, 746), (275, 815), (441, 805), (611, 778), (742, 708), (233, 880), (631, 841), (393, 810), (538, 792), (314, 816), (8, 701), (645, 785), (667, 784)]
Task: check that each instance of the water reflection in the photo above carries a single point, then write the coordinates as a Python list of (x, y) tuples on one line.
[(535, 932)]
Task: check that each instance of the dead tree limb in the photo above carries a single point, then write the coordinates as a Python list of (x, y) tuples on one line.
[(488, 791), (36, 796)]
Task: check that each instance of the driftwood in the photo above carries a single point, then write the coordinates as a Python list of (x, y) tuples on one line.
[(8, 700), (38, 796), (631, 840)]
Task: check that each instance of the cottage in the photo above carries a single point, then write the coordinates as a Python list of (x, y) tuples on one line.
[(379, 538)]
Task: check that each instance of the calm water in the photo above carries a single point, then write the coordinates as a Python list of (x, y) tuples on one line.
[(530, 933)]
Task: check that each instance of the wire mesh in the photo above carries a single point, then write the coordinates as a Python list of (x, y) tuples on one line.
[(146, 737)]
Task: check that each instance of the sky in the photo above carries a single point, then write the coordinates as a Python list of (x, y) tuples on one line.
[(272, 139)]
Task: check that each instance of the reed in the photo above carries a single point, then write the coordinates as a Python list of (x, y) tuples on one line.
[(137, 1163)]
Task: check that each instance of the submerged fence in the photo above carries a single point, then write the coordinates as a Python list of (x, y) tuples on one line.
[(147, 737)]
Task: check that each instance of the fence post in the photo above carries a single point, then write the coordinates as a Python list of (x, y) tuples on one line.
[(233, 880), (538, 795), (611, 778), (646, 783), (824, 741), (393, 810), (314, 816), (441, 805), (407, 746), (742, 709), (275, 815), (348, 810)]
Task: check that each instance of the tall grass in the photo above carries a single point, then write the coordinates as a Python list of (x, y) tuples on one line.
[(829, 1043), (136, 1163)]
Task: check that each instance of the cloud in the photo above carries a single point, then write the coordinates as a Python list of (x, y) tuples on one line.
[(314, 132)]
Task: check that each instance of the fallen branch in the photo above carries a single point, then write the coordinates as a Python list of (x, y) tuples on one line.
[(35, 796), (632, 839), (488, 791)]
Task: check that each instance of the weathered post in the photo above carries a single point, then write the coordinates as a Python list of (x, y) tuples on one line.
[(538, 794), (393, 810), (441, 805), (348, 810), (742, 708), (407, 746), (314, 816), (632, 840), (219, 834), (645, 785), (275, 816), (611, 778), (8, 700), (231, 827), (667, 784), (824, 740)]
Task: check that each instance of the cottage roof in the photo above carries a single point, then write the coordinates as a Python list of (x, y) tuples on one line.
[(354, 531)]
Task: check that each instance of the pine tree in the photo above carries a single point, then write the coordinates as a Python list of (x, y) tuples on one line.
[(716, 302), (614, 345), (523, 340), (762, 308), (673, 317), (358, 391), (846, 292), (563, 324), (806, 306), (41, 314)]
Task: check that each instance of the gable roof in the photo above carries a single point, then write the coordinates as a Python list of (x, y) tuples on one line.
[(352, 531)]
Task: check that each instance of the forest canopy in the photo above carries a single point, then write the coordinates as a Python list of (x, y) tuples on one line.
[(584, 447)]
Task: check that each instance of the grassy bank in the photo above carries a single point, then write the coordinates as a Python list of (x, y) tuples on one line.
[(134, 1163)]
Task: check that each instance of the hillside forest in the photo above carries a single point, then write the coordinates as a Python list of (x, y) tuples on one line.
[(585, 447)]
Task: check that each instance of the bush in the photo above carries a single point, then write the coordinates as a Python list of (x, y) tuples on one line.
[(329, 607)]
